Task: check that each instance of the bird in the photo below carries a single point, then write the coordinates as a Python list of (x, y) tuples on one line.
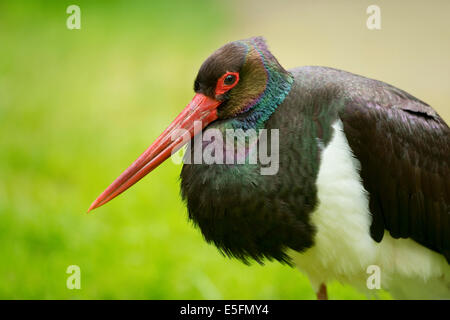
[(361, 185)]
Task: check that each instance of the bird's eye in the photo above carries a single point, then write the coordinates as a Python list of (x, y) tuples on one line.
[(226, 82), (229, 80)]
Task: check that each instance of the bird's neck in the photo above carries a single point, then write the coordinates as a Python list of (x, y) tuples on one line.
[(256, 113)]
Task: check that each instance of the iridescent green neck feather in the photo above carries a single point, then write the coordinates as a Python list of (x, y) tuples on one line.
[(266, 85)]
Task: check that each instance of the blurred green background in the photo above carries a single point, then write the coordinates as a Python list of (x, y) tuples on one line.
[(78, 106)]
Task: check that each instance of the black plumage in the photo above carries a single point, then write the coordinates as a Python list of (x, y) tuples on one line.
[(400, 141)]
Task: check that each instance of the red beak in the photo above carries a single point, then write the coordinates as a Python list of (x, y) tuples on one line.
[(201, 108)]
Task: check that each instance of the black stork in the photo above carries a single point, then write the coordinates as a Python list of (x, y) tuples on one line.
[(362, 174)]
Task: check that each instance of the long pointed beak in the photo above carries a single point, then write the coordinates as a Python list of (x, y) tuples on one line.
[(201, 108)]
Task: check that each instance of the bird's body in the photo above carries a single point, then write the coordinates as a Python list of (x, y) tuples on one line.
[(363, 175), (317, 205), (343, 248)]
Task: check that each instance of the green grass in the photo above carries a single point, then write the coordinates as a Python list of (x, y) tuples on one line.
[(76, 108)]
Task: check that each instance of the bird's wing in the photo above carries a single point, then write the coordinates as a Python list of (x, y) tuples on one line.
[(404, 149)]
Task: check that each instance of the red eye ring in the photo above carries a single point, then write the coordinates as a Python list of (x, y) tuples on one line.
[(221, 87)]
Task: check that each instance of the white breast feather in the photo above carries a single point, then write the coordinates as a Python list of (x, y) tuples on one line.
[(343, 246)]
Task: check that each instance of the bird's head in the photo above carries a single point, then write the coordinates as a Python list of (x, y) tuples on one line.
[(237, 78), (236, 75)]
